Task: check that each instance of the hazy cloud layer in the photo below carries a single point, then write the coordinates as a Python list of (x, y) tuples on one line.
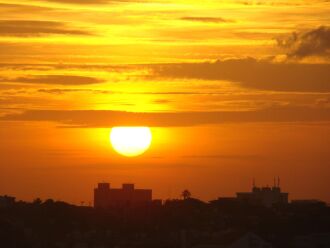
[(80, 1), (314, 42), (204, 19), (104, 118), (63, 91), (54, 80), (92, 1), (18, 8), (36, 28), (250, 73)]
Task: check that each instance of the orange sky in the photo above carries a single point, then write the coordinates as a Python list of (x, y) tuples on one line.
[(232, 90)]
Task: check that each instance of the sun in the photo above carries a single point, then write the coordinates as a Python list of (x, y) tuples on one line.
[(130, 141)]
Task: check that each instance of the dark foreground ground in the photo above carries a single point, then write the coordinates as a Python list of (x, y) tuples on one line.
[(176, 223)]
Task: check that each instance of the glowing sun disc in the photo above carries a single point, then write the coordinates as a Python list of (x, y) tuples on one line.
[(130, 141)]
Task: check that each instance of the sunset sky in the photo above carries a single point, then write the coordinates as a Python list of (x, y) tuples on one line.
[(231, 89)]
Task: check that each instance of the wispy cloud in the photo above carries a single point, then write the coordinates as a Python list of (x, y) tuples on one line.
[(205, 19), (28, 28), (92, 1), (80, 1), (222, 156), (19, 8), (54, 80)]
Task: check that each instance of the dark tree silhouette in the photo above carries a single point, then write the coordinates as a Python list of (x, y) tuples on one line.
[(37, 201), (186, 194)]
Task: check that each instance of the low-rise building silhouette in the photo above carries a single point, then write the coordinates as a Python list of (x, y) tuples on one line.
[(105, 196)]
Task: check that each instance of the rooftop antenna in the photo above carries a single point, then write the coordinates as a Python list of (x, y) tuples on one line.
[(278, 181)]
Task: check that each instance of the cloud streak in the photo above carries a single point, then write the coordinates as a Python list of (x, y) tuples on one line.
[(105, 118), (54, 80), (205, 19), (92, 1), (19, 8), (80, 1), (251, 73), (26, 28)]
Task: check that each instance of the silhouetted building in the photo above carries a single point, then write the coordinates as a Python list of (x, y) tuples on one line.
[(266, 196), (104, 196)]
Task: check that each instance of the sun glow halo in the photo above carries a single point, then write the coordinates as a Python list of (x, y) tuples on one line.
[(130, 141)]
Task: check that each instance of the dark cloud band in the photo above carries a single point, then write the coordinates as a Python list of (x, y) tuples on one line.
[(99, 118), (251, 73), (54, 80)]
